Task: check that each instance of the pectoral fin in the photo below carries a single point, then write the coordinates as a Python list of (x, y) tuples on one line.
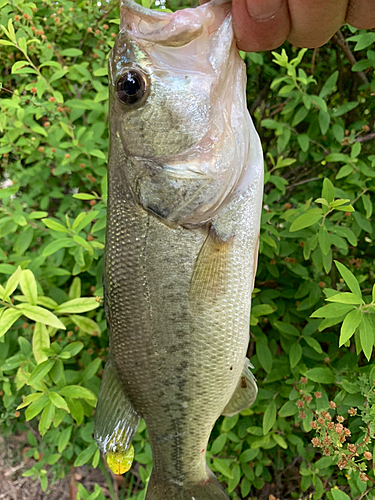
[(245, 393), (116, 422), (211, 274)]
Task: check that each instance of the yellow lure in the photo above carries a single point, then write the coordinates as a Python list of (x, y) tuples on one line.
[(120, 461)]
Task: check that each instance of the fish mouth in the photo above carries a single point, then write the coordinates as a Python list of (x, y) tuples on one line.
[(172, 29)]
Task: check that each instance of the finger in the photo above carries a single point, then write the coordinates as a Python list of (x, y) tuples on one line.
[(314, 22), (260, 24), (361, 14)]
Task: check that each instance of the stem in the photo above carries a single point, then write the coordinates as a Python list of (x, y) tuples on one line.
[(341, 42)]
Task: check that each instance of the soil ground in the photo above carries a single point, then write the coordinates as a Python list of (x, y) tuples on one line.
[(15, 487)]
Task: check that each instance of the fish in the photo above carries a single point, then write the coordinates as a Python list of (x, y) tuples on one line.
[(185, 181)]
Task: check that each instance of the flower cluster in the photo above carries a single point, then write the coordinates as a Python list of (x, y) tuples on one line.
[(331, 438)]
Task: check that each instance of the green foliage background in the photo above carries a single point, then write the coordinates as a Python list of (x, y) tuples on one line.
[(315, 112)]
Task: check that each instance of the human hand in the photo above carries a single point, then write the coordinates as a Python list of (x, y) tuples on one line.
[(266, 24)]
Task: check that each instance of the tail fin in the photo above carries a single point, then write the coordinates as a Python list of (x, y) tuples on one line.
[(206, 489)]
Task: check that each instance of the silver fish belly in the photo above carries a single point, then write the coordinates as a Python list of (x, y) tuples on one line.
[(184, 202)]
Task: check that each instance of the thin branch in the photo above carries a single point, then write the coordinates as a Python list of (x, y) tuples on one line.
[(303, 182), (262, 94), (341, 42), (313, 59), (365, 138)]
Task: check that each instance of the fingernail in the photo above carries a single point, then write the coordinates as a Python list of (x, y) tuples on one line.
[(263, 10)]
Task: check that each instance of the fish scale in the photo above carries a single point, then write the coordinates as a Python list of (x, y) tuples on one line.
[(180, 255)]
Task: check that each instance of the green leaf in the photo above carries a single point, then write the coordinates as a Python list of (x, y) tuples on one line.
[(318, 101), (46, 418), (222, 467), (295, 354), (313, 343), (87, 325), (101, 72), (24, 240), (84, 196), (303, 141), (85, 455), (287, 328), (324, 121), (56, 245), (299, 116), (362, 65), (57, 373), (219, 443), (64, 439), (76, 410), (76, 391), (46, 302), (346, 298), (349, 325), (29, 399), (98, 154), (337, 157), (280, 441), (264, 356), (367, 205), (29, 287), (6, 42), (56, 76), (13, 282), (36, 407), (72, 52), (81, 223), (248, 455), (74, 306), (42, 315), (7, 319), (19, 64), (332, 311), (55, 226), (327, 261), (41, 341), (75, 289), (329, 85), (328, 191), (58, 401), (91, 369), (41, 371), (245, 487), (8, 192), (366, 335), (262, 310), (344, 172), (232, 483), (320, 375), (73, 348), (349, 278), (269, 418), (288, 409), (363, 41), (339, 495), (306, 220), (324, 240)]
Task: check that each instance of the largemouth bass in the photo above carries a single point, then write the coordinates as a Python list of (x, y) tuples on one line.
[(184, 203)]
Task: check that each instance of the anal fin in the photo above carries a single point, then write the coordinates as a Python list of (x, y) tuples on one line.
[(244, 394), (116, 422)]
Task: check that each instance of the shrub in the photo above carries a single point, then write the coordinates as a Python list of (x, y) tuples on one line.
[(315, 113)]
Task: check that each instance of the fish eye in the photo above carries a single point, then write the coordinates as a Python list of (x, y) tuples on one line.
[(131, 87)]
